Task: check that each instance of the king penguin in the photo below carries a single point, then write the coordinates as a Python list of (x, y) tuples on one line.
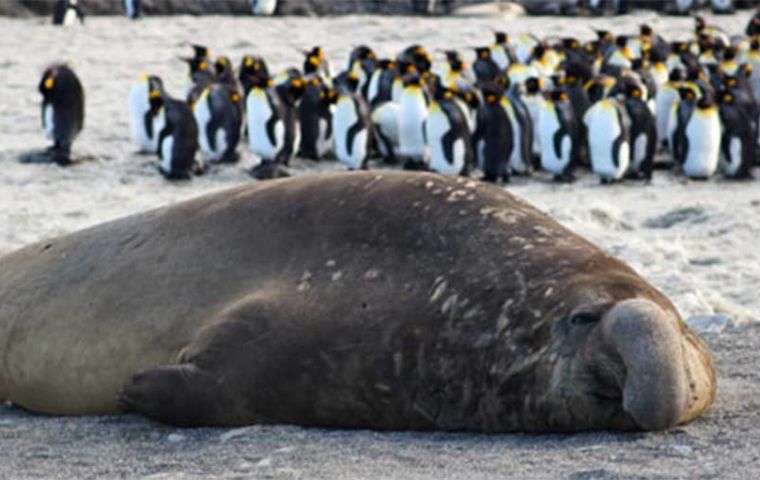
[(643, 133), (560, 136), (62, 110), (219, 119), (608, 139), (146, 117), (351, 124), (696, 135), (737, 146), (448, 134), (178, 139), (273, 131), (493, 136), (520, 162)]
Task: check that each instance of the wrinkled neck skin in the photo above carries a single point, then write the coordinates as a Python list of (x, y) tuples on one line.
[(632, 364), (606, 351)]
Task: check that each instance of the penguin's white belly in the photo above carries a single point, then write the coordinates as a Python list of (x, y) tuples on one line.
[(639, 151), (516, 161), (733, 161), (604, 128), (374, 85), (139, 106), (499, 57), (664, 101), (202, 114), (70, 17), (385, 119), (263, 7), (49, 122), (259, 113), (436, 127), (412, 116), (129, 6), (548, 125), (703, 133), (533, 103), (167, 146), (344, 118), (324, 140)]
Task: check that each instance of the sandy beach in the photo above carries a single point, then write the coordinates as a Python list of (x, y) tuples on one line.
[(696, 241)]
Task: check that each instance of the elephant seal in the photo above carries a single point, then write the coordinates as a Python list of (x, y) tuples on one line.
[(353, 300)]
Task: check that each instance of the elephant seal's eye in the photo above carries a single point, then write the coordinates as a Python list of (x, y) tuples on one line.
[(584, 318)]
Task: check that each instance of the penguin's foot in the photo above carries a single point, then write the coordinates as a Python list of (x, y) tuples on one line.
[(230, 157), (564, 178), (177, 175), (269, 170), (199, 168), (415, 165)]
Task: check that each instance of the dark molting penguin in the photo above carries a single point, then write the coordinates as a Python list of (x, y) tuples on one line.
[(315, 115), (560, 136), (608, 139), (643, 133), (493, 136), (273, 124), (67, 12), (485, 68), (62, 110), (146, 117), (448, 135), (178, 139), (351, 124), (737, 146)]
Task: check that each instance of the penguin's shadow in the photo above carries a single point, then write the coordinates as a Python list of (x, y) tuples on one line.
[(42, 157)]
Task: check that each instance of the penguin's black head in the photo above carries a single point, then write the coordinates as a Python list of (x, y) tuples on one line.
[(412, 80), (706, 101), (363, 52), (311, 64), (48, 82), (492, 93), (223, 65), (754, 44), (570, 43), (604, 35), (621, 41), (729, 53), (591, 48), (533, 85), (452, 56), (316, 52), (254, 66), (347, 81), (699, 24), (483, 52), (294, 88), (559, 95), (632, 90), (201, 52), (501, 38), (197, 65), (687, 94), (645, 30), (539, 50), (386, 64)]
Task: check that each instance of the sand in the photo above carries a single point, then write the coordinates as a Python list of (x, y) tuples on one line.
[(698, 242)]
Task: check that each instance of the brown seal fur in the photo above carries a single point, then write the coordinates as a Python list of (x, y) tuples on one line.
[(368, 300)]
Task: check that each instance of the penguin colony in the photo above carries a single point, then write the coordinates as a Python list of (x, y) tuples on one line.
[(620, 105)]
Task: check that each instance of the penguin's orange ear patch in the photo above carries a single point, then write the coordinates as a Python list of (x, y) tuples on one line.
[(49, 83), (636, 93), (235, 97), (248, 62), (563, 96), (202, 66)]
